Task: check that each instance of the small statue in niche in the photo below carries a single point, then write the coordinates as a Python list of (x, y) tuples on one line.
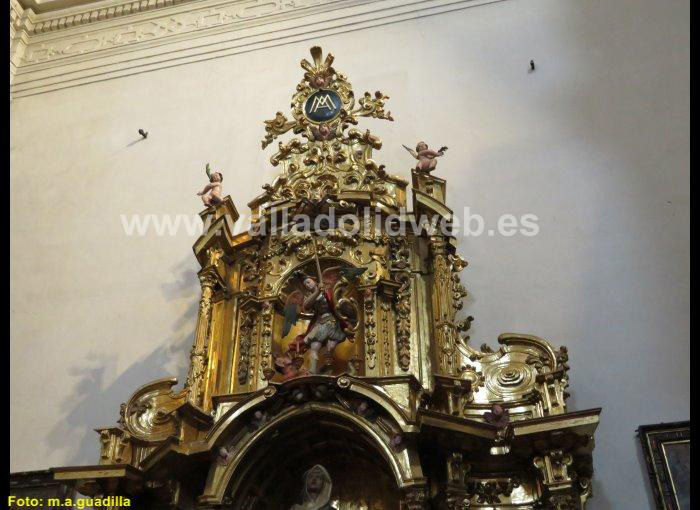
[(259, 419), (325, 329), (316, 493), (211, 194), (497, 416), (426, 158), (333, 316), (224, 455)]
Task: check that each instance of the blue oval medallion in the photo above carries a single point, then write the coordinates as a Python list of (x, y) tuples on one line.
[(322, 106)]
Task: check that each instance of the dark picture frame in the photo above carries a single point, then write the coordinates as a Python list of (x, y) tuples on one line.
[(666, 449)]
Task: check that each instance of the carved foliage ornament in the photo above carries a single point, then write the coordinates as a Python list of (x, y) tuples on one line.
[(401, 272), (491, 491), (334, 159), (324, 98)]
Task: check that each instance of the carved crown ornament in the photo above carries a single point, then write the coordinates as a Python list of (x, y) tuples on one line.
[(336, 363)]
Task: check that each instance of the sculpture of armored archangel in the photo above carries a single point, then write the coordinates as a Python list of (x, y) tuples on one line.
[(333, 317)]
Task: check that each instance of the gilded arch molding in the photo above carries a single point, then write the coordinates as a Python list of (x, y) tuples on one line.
[(341, 403)]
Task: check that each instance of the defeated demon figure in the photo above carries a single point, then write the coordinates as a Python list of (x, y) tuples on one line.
[(316, 493), (426, 158), (290, 366), (332, 316), (211, 194)]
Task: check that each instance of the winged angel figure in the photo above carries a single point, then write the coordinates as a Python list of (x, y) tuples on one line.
[(332, 311)]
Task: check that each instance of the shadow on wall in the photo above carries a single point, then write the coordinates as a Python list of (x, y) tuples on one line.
[(92, 400), (625, 116)]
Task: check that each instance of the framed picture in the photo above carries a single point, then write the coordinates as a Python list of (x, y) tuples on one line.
[(667, 453)]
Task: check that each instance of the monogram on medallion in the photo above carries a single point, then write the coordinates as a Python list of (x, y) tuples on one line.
[(322, 106)]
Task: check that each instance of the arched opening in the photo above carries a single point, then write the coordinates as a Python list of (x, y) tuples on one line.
[(272, 475)]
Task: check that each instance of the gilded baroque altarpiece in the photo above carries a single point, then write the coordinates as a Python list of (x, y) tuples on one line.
[(366, 395)]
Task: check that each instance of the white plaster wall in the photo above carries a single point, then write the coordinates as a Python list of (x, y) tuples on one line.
[(594, 142)]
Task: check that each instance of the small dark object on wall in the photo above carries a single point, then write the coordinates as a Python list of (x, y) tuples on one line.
[(143, 133), (532, 65)]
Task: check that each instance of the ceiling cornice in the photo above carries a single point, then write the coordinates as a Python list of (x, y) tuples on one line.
[(80, 13), (113, 38), (44, 6)]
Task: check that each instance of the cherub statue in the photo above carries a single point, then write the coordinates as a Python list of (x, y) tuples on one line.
[(324, 132), (211, 194), (316, 493), (426, 157), (333, 315)]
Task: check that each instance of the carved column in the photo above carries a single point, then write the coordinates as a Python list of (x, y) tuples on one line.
[(456, 496), (559, 487), (247, 335), (385, 329), (115, 446), (444, 331), (198, 354), (401, 274), (266, 323), (380, 328), (370, 324)]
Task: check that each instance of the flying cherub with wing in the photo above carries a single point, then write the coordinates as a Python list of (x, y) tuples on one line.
[(426, 157), (333, 313)]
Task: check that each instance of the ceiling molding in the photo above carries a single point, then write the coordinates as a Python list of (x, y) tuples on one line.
[(92, 12), (176, 32), (43, 6)]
